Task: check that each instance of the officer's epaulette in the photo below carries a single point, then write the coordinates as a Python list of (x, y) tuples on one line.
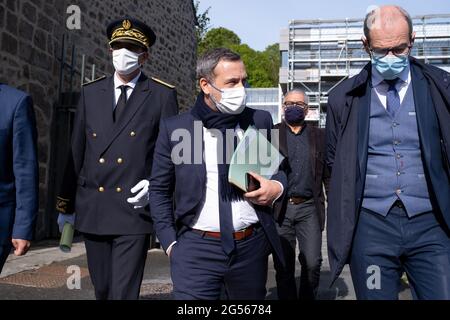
[(93, 81), (163, 83)]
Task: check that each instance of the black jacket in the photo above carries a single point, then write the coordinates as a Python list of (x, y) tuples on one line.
[(109, 158), (348, 117)]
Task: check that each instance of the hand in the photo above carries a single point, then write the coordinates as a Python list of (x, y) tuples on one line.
[(21, 247), (265, 196), (64, 218), (141, 199)]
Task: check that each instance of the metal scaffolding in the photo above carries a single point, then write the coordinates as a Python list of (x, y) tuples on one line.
[(319, 54)]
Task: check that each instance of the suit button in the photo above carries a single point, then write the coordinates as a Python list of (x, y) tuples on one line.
[(120, 161), (133, 134), (101, 189), (94, 135), (119, 190), (102, 161)]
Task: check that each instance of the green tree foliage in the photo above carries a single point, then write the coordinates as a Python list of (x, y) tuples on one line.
[(262, 67), (216, 38), (203, 21)]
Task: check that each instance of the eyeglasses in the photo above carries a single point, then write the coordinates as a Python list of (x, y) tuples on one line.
[(296, 104), (399, 51)]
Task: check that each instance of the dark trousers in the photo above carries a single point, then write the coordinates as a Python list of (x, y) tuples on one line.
[(301, 222), (385, 247), (201, 270), (116, 265), (5, 249)]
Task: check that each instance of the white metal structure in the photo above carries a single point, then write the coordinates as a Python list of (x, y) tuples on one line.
[(319, 54)]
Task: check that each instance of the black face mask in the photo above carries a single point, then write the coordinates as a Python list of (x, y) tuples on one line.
[(294, 115)]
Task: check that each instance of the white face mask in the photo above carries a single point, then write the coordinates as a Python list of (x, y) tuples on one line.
[(125, 61), (233, 100)]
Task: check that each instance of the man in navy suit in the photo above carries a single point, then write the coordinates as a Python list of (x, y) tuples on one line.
[(19, 182), (388, 143), (215, 235)]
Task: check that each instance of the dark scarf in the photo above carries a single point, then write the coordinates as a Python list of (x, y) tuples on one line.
[(221, 122)]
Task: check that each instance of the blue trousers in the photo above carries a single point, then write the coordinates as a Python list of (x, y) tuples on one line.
[(385, 247), (4, 253), (201, 270)]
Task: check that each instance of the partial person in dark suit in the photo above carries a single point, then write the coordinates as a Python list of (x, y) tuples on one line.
[(215, 235), (302, 217), (114, 135), (19, 170), (388, 140)]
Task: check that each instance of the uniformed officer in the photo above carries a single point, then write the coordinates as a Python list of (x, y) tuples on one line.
[(115, 129)]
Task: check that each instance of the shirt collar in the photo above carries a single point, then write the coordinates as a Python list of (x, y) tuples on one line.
[(132, 84), (377, 78)]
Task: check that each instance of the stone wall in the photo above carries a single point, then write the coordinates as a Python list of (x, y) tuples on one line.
[(30, 44)]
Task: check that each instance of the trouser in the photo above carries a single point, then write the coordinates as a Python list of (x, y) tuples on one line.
[(5, 249), (116, 265), (301, 222), (385, 247), (201, 270)]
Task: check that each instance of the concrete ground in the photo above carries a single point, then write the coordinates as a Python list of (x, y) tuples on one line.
[(46, 273)]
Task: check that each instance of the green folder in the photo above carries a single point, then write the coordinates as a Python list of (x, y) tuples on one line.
[(65, 244), (254, 153)]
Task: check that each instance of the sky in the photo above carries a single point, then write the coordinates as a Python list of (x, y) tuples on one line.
[(258, 22)]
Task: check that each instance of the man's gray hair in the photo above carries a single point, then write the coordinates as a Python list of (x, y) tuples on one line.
[(372, 16), (209, 61), (299, 91)]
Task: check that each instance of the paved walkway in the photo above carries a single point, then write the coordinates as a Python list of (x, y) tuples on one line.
[(47, 274)]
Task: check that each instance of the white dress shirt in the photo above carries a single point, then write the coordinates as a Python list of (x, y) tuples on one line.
[(381, 88), (207, 219), (118, 83)]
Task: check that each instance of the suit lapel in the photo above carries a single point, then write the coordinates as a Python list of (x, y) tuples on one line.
[(137, 99), (106, 105), (196, 133), (422, 101), (283, 140), (363, 128)]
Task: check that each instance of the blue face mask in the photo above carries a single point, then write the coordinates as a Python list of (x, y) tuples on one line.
[(390, 66)]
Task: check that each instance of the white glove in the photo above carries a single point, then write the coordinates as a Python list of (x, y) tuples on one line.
[(141, 199), (63, 218)]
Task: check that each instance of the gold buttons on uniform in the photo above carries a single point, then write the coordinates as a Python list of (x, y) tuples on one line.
[(102, 161), (94, 135), (119, 190), (101, 189), (133, 134), (120, 161)]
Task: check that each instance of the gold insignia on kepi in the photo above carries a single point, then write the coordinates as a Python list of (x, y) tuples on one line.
[(131, 30), (126, 24)]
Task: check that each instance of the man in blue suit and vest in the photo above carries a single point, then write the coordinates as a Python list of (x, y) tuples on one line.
[(388, 139), (19, 168), (215, 235)]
